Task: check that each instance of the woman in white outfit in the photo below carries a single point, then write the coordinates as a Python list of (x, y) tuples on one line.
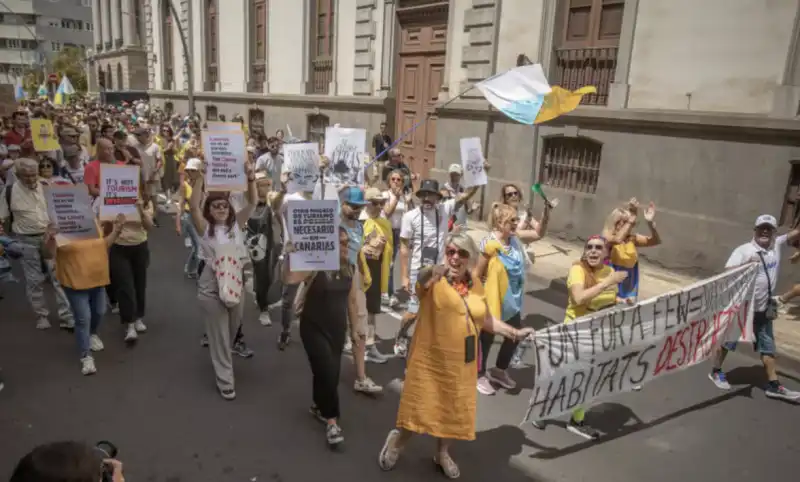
[(223, 249)]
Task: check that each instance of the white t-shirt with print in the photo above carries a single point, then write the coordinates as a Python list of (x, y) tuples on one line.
[(400, 209), (411, 228), (772, 258)]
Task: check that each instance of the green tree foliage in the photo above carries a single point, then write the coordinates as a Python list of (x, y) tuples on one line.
[(70, 61)]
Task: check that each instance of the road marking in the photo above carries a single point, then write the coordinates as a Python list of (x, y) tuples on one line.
[(392, 313)]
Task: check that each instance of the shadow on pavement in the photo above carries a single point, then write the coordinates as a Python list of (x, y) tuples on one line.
[(613, 419)]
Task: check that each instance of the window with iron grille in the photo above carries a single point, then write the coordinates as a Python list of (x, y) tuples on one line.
[(255, 120), (167, 53), (258, 32), (316, 129), (586, 52), (212, 44), (571, 163), (211, 113), (322, 38)]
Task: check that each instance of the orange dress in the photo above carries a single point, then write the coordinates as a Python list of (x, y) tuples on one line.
[(439, 396)]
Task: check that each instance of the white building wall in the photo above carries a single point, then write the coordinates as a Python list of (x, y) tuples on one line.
[(289, 43), (196, 44), (456, 39), (345, 46), (233, 59), (158, 50), (520, 32), (710, 55)]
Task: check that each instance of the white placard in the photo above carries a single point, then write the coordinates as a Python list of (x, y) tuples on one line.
[(302, 162), (119, 191), (612, 351), (472, 161), (70, 209), (344, 149), (223, 126), (314, 231), (226, 153)]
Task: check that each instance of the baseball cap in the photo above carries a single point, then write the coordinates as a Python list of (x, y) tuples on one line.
[(767, 220), (352, 195), (455, 168), (194, 164)]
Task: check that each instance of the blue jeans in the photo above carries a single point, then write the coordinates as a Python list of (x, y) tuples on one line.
[(395, 249), (190, 268), (88, 308), (764, 335)]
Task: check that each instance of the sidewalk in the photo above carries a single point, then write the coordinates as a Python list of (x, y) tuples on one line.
[(554, 258)]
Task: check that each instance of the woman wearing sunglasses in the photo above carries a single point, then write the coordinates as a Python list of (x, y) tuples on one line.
[(528, 229), (438, 396), (50, 173), (377, 249), (592, 287), (222, 247), (399, 202), (503, 264)]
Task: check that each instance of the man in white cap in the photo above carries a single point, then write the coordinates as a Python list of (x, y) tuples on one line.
[(764, 249)]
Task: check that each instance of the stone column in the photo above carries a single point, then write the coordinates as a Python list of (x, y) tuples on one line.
[(97, 20), (106, 23), (618, 90), (116, 23), (128, 20), (387, 57)]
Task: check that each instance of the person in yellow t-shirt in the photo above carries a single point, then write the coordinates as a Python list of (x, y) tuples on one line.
[(592, 286), (82, 269)]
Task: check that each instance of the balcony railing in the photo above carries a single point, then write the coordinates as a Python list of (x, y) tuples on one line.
[(579, 67), (321, 75)]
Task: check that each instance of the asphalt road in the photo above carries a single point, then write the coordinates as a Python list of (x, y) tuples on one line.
[(157, 401)]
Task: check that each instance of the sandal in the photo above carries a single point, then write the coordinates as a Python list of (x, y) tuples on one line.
[(388, 457), (447, 466)]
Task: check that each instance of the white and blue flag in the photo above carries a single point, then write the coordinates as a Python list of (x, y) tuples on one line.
[(517, 93)]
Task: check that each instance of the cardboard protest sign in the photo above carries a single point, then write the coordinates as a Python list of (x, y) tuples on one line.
[(44, 136), (119, 191), (70, 209), (314, 231), (225, 154), (216, 126), (343, 147), (302, 162), (612, 351), (472, 161)]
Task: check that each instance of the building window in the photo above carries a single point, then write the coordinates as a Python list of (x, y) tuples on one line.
[(167, 54), (255, 120), (211, 113), (53, 23), (86, 3), (322, 38), (169, 108), (790, 214), (586, 52), (316, 129), (258, 27), (212, 44), (89, 26), (571, 163), (138, 23), (55, 46)]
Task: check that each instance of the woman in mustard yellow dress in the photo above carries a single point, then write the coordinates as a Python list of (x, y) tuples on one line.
[(439, 397)]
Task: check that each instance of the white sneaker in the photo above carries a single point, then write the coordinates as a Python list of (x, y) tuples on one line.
[(87, 366), (42, 323), (264, 319), (95, 343), (130, 333), (139, 326)]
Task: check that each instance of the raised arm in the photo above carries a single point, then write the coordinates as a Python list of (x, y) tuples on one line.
[(195, 209)]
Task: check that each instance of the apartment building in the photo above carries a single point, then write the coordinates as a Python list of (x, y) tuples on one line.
[(696, 105), (32, 32)]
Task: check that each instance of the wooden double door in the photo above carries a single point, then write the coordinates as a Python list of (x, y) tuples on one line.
[(420, 76)]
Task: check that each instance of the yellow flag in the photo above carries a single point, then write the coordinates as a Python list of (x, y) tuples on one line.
[(560, 101), (59, 99), (44, 136)]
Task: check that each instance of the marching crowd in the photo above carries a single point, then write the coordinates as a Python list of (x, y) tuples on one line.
[(459, 296)]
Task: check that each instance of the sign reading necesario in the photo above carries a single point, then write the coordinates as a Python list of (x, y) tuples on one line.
[(610, 352), (314, 231)]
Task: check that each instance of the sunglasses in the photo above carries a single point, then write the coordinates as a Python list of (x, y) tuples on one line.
[(512, 194), (220, 205), (377, 203), (395, 179), (462, 253), (355, 207), (595, 247)]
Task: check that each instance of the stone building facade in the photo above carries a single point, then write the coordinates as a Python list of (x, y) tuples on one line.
[(696, 109), (119, 60)]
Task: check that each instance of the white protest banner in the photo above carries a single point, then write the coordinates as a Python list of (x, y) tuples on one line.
[(119, 190), (314, 232), (612, 351), (472, 161), (217, 126), (70, 209), (302, 162), (343, 147), (225, 157)]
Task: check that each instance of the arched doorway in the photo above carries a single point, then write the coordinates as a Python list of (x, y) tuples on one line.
[(109, 79), (120, 85), (101, 77)]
